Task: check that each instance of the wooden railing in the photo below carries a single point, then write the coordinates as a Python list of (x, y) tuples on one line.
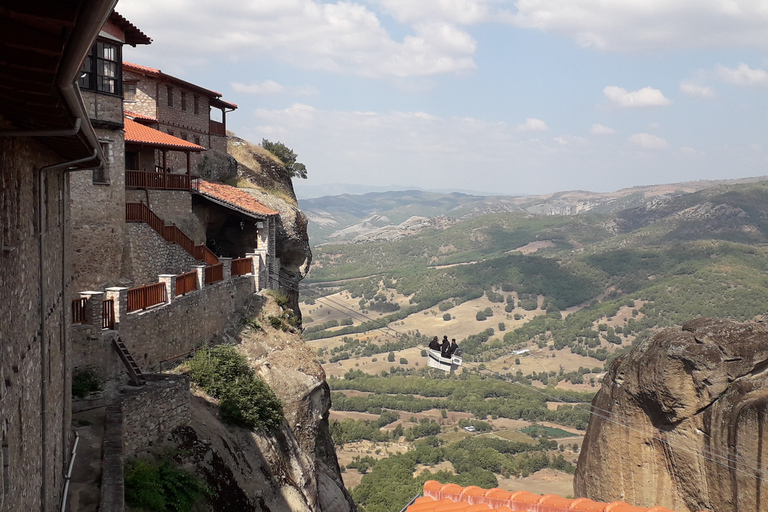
[(145, 296), (140, 212), (217, 128), (206, 255), (214, 274), (78, 310), (242, 266), (160, 180), (108, 314), (186, 283)]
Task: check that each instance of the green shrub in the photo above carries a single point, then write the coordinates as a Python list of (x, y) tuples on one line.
[(161, 487), (447, 317), (85, 381), (276, 322), (246, 400), (280, 297)]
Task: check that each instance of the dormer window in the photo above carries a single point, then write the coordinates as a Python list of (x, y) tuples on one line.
[(101, 71)]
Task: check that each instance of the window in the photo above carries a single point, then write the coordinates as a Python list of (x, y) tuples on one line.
[(170, 96), (197, 104), (183, 101), (129, 92), (197, 140), (102, 68)]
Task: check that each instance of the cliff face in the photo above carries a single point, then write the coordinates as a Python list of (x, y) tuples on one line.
[(681, 422), (293, 469), (271, 185)]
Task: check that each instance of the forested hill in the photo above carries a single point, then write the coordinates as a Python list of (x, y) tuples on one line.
[(700, 254), (392, 215)]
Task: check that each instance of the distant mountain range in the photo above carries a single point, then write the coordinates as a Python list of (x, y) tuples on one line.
[(392, 215)]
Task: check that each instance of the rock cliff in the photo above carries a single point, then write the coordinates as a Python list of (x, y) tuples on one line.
[(681, 421), (265, 178), (293, 469)]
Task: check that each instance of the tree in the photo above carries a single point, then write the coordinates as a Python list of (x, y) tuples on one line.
[(287, 156)]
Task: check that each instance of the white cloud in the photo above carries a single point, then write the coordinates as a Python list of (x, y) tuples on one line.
[(743, 75), (645, 97), (598, 129), (453, 11), (272, 87), (342, 37), (700, 91), (646, 25), (533, 125), (648, 141)]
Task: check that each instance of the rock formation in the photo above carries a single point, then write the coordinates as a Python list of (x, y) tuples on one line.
[(268, 181), (293, 469), (681, 422)]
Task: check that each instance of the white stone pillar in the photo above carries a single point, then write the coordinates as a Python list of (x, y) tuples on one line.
[(170, 286), (200, 269), (120, 296)]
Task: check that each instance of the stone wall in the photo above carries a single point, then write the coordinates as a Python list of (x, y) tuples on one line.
[(34, 375), (173, 206), (97, 216), (165, 331), (103, 107), (152, 411), (149, 255), (139, 418)]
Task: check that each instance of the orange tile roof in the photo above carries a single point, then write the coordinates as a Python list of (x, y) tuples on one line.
[(233, 197), (136, 115), (139, 134), (454, 498), (141, 69)]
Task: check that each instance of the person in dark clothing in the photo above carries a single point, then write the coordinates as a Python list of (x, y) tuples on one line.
[(445, 347), (434, 344), (454, 348)]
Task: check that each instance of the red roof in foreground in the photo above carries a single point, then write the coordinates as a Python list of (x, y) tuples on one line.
[(139, 134), (454, 498), (233, 196)]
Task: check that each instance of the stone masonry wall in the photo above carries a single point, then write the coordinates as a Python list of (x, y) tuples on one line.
[(152, 411), (34, 374), (97, 214), (104, 107), (186, 123), (183, 325), (173, 206), (149, 255)]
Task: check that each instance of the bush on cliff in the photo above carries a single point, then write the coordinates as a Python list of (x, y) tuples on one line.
[(246, 400), (162, 486)]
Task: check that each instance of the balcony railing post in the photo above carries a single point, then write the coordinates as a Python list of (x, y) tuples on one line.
[(120, 296), (170, 286), (226, 268), (200, 269), (93, 307), (257, 268)]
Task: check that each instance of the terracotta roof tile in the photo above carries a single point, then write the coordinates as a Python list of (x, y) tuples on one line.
[(136, 115), (139, 134), (233, 196), (454, 498), (141, 69)]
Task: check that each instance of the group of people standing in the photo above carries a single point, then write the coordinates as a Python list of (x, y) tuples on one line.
[(446, 348)]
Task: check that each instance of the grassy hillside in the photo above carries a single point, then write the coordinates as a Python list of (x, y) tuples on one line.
[(540, 305)]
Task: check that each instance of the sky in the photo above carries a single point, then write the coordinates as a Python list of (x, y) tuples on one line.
[(506, 97)]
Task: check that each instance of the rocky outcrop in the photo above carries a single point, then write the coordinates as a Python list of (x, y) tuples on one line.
[(292, 469), (681, 421), (268, 181)]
